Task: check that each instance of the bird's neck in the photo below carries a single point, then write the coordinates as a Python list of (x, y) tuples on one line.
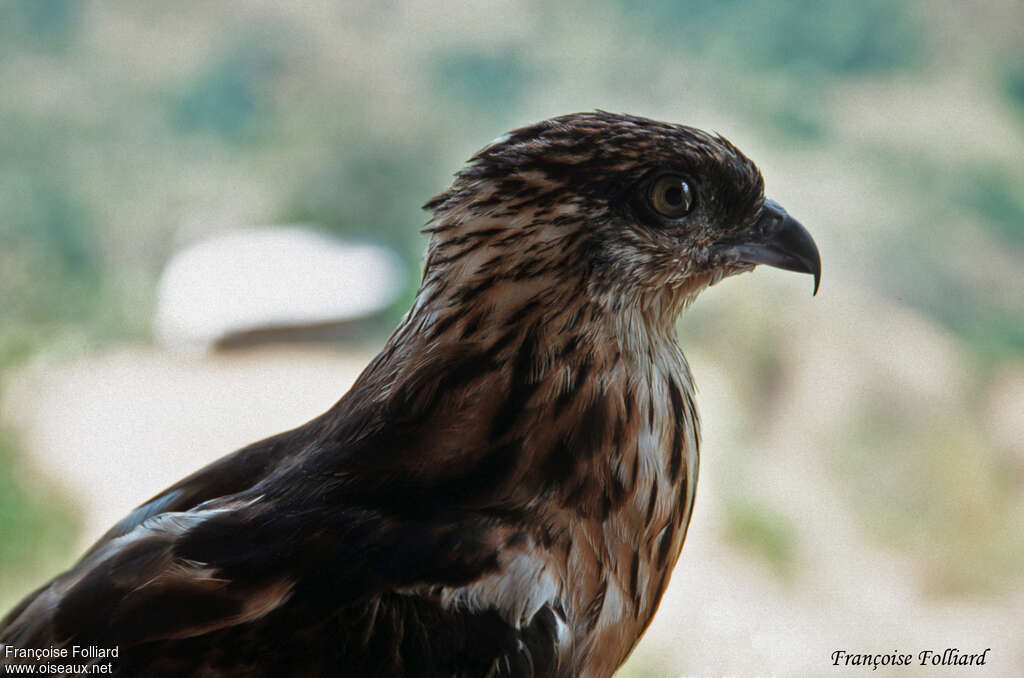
[(596, 402), (471, 299)]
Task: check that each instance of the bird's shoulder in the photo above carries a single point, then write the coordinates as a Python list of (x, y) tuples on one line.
[(336, 515)]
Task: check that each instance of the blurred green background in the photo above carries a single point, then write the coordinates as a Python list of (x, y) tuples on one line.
[(893, 130)]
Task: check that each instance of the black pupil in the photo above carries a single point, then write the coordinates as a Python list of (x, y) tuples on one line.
[(674, 196)]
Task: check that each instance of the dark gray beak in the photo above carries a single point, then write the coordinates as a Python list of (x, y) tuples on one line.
[(780, 241)]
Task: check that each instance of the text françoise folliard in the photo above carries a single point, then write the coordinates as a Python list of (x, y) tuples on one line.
[(89, 652), (951, 656)]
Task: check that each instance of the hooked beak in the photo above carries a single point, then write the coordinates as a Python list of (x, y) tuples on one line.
[(780, 241)]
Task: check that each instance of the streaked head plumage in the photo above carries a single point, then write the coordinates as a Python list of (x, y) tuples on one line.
[(596, 185), (647, 212)]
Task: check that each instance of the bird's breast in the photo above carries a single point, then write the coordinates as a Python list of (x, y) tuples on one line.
[(635, 546), (597, 447)]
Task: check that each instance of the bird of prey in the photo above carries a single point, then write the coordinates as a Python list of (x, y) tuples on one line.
[(505, 489)]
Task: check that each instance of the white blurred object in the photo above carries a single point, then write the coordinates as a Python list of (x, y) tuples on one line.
[(270, 278)]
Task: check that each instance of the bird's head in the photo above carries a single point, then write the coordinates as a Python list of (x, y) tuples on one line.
[(637, 214)]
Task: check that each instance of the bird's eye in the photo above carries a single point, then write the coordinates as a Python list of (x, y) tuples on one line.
[(671, 196)]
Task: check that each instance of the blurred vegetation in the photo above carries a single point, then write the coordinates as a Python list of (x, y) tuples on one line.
[(371, 188), (46, 25), (942, 496), (119, 132), (830, 39), (765, 534), (35, 528), (488, 82), (1013, 81), (228, 97)]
